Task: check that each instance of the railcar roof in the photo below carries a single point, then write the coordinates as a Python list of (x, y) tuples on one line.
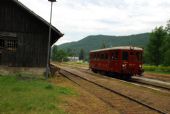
[(119, 48)]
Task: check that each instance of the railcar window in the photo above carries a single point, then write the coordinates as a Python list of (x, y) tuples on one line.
[(91, 56), (125, 56), (102, 56), (98, 56), (106, 56), (139, 56), (115, 55), (2, 43)]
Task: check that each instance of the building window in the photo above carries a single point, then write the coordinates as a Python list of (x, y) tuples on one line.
[(2, 43), (12, 45)]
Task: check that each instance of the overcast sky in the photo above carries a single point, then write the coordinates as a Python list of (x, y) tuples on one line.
[(80, 18)]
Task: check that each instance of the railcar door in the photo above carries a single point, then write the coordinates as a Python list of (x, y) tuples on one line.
[(125, 62), (114, 62)]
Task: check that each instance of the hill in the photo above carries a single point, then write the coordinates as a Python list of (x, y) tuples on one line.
[(96, 41)]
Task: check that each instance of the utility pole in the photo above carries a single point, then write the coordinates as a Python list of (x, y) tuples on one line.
[(49, 42)]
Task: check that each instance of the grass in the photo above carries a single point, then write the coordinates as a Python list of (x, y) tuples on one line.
[(22, 95), (157, 69)]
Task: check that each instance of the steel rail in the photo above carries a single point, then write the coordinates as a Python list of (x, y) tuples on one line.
[(83, 87)]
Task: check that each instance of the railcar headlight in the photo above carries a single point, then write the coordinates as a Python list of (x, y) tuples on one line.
[(140, 66), (123, 65)]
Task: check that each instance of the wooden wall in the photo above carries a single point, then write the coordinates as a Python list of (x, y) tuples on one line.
[(31, 34)]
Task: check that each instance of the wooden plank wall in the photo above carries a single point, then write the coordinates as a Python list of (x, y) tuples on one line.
[(31, 33)]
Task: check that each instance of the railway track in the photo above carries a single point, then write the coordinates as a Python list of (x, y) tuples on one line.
[(145, 82), (76, 78), (148, 83)]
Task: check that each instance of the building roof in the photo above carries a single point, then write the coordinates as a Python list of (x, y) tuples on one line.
[(119, 48), (53, 39)]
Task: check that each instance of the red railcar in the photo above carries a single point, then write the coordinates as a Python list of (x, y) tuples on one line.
[(125, 60)]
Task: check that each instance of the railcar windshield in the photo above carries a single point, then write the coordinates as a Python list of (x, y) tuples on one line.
[(139, 56)]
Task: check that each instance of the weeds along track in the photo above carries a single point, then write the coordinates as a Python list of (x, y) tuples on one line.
[(122, 102)]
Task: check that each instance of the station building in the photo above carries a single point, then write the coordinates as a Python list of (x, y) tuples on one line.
[(23, 36)]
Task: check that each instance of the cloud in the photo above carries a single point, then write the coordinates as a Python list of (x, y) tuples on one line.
[(80, 18)]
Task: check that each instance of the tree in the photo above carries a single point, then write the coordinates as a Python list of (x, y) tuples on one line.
[(154, 48), (166, 45), (69, 52), (62, 56), (167, 58), (58, 54), (54, 53), (166, 50), (168, 27), (82, 54)]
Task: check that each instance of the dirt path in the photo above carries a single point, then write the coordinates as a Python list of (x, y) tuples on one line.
[(84, 102)]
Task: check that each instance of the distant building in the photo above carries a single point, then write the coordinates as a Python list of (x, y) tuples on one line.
[(75, 59), (23, 36)]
